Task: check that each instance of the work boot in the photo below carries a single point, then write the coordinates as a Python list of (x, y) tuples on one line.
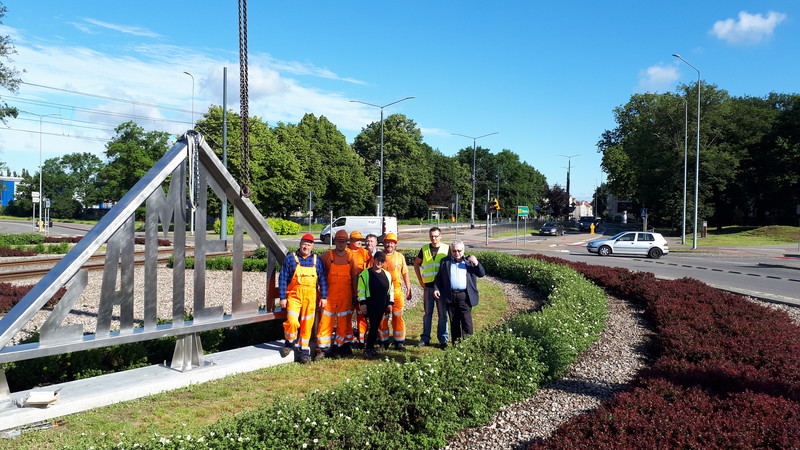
[(319, 355), (443, 345), (345, 350), (400, 346), (304, 360), (334, 352), (285, 351), (371, 353), (358, 345), (385, 345), (421, 344)]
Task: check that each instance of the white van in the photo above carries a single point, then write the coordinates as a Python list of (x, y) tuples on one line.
[(365, 224)]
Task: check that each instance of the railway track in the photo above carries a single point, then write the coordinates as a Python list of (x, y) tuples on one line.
[(9, 269)]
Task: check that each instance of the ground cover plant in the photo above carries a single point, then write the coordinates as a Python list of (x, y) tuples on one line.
[(726, 375)]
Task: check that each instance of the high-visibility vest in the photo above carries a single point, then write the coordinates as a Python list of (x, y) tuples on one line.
[(430, 264)]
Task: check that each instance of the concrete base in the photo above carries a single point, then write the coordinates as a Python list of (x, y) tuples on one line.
[(82, 395)]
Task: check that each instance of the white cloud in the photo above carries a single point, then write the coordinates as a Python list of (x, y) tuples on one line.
[(160, 95), (136, 31), (749, 29), (657, 78)]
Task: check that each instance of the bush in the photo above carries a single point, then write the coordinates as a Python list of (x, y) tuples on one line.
[(727, 373), (284, 227), (8, 240)]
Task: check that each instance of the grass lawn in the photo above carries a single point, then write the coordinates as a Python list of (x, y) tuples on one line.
[(185, 411), (738, 236)]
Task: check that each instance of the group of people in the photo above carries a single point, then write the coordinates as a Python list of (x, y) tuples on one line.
[(356, 279)]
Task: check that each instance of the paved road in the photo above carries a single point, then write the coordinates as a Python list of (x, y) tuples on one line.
[(767, 272)]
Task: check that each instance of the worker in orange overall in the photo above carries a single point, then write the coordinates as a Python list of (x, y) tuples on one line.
[(362, 259), (300, 276), (396, 266), (338, 312)]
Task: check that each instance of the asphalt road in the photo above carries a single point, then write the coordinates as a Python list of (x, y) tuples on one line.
[(767, 272)]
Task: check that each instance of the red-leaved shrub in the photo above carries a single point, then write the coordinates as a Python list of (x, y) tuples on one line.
[(727, 372)]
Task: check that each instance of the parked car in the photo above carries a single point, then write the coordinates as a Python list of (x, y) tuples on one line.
[(585, 223), (553, 228), (365, 224), (644, 243)]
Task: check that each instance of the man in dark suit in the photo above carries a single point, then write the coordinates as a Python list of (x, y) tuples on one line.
[(456, 282)]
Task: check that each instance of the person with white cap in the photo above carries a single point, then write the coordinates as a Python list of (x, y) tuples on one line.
[(302, 273)]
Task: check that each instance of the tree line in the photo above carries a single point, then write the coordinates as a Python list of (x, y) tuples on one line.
[(749, 156), (287, 161)]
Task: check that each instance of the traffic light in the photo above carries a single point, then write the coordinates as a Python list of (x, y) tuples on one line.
[(494, 205)]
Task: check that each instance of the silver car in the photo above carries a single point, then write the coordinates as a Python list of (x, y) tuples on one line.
[(642, 243), (553, 228)]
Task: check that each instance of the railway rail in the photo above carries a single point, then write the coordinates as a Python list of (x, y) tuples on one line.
[(9, 269)]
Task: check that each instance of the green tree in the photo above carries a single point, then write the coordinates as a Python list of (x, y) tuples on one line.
[(276, 177), (450, 177), (520, 184), (557, 201), (70, 183), (9, 76), (130, 154), (408, 172)]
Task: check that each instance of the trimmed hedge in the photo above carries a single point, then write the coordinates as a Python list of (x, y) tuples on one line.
[(727, 372), (420, 403)]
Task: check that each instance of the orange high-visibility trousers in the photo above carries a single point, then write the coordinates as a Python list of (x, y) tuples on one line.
[(398, 324), (339, 309), (301, 299)]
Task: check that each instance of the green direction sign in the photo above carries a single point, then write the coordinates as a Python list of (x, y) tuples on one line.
[(522, 211)]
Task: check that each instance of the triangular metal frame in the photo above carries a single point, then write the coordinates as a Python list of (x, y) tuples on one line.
[(117, 230)]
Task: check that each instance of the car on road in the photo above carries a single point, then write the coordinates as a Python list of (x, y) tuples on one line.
[(585, 223), (642, 243), (552, 228)]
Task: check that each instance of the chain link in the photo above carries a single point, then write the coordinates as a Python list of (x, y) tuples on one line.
[(243, 99)]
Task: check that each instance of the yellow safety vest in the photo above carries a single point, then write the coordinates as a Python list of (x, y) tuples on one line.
[(430, 264)]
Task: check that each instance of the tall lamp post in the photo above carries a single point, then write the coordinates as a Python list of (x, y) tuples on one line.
[(697, 153), (685, 161), (380, 194), (569, 169), (41, 193), (474, 147)]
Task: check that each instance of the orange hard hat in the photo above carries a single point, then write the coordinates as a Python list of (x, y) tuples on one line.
[(390, 237), (356, 235), (341, 234)]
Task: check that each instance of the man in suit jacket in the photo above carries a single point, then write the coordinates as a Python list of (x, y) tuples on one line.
[(456, 282)]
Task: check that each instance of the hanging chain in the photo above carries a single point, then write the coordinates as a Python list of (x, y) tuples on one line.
[(243, 96)]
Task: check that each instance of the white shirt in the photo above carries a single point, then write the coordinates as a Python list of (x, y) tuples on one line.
[(458, 275)]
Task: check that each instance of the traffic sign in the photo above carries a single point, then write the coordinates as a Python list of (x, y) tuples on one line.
[(35, 196), (643, 212), (523, 211)]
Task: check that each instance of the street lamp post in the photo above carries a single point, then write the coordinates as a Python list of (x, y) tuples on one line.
[(685, 161), (697, 154), (41, 193), (474, 147), (380, 194), (569, 169)]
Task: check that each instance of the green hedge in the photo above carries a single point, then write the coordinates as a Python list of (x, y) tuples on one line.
[(419, 403), (280, 226), (10, 240)]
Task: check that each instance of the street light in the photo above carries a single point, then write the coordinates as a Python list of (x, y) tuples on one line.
[(41, 193), (187, 73), (472, 211), (685, 161), (697, 153), (380, 203), (569, 169)]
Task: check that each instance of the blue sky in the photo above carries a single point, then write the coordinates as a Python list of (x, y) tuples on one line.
[(544, 76)]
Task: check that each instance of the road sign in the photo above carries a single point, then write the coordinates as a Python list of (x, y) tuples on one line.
[(523, 211), (643, 212), (35, 196)]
